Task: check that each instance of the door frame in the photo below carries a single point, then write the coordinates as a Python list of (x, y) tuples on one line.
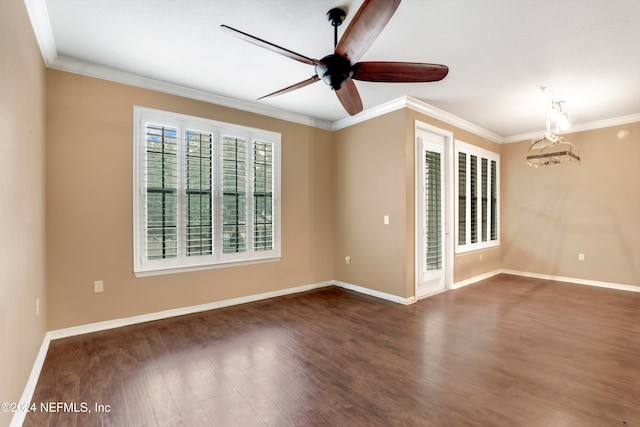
[(448, 198)]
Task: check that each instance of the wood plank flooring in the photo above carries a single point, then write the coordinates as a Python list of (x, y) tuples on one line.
[(508, 351)]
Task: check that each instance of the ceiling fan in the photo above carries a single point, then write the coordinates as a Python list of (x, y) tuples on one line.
[(340, 69)]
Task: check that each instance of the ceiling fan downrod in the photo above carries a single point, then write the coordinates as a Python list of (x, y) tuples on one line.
[(334, 69), (336, 17)]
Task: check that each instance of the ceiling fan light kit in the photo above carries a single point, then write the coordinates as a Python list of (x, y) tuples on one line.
[(339, 69)]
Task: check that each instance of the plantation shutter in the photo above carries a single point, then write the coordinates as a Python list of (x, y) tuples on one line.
[(494, 200), (262, 196), (478, 198), (206, 193), (198, 171), (474, 198), (161, 185), (462, 198), (433, 211), (234, 195), (485, 198)]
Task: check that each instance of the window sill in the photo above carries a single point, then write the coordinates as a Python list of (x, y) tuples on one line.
[(174, 270), (460, 250)]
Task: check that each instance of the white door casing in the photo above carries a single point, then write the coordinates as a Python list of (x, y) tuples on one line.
[(434, 209)]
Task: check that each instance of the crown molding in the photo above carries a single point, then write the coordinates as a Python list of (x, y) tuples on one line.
[(436, 113), (523, 137), (605, 123), (368, 114), (41, 23), (98, 71), (105, 73), (71, 65), (421, 107), (582, 127), (39, 17)]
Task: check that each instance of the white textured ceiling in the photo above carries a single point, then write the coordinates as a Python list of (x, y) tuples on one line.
[(499, 52)]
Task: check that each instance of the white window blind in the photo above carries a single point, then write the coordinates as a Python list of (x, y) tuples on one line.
[(263, 196), (161, 176), (477, 187), (206, 193), (234, 195), (199, 194), (433, 211)]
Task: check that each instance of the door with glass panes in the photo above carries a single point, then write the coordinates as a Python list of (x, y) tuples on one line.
[(431, 213)]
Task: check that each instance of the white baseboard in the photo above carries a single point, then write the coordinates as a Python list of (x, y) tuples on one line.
[(475, 279), (30, 387), (587, 282), (116, 323), (27, 395), (609, 285), (374, 293), (431, 294)]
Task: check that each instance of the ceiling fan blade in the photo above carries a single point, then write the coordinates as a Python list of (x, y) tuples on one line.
[(270, 46), (365, 27), (391, 72), (349, 97), (293, 87)]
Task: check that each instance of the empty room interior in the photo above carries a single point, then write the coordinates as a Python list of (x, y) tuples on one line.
[(439, 225)]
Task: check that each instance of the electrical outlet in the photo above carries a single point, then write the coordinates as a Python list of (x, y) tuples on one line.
[(347, 259), (98, 286)]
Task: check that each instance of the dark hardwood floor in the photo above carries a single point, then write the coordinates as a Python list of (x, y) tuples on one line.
[(508, 351)]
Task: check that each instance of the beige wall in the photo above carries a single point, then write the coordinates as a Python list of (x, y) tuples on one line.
[(374, 168), (553, 213), (467, 265), (89, 207), (370, 177), (337, 186), (22, 261)]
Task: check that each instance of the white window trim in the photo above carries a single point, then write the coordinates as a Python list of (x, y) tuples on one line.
[(469, 150), (144, 267)]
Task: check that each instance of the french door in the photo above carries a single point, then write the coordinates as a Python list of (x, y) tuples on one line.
[(433, 207)]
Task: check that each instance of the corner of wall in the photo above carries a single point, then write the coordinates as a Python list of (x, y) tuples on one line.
[(22, 214)]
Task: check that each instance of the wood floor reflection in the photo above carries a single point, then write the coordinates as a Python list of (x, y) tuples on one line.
[(508, 351)]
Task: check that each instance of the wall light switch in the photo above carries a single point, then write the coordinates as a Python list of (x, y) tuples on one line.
[(386, 220), (581, 257)]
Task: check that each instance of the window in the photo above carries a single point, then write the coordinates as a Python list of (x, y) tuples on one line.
[(477, 187), (433, 208), (206, 193)]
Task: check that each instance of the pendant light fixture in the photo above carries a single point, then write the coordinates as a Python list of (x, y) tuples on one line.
[(552, 148)]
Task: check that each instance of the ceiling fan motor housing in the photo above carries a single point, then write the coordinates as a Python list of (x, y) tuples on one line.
[(334, 70)]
